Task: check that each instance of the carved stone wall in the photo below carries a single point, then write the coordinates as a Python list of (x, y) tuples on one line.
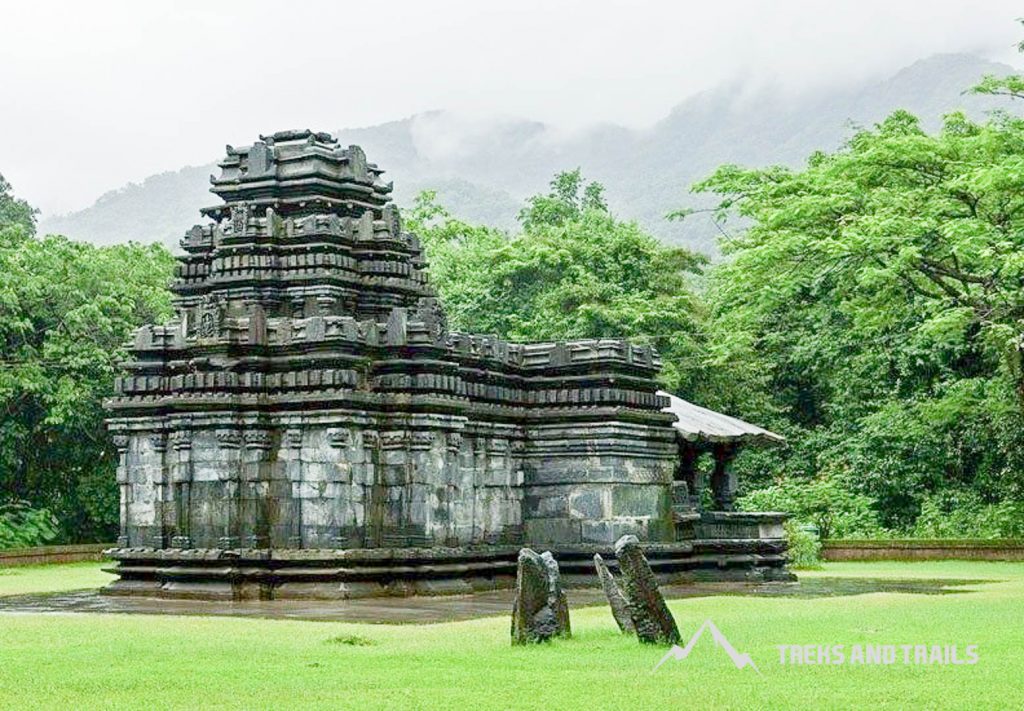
[(309, 395), (327, 481)]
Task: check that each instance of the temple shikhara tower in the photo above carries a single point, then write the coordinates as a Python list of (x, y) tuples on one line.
[(309, 426)]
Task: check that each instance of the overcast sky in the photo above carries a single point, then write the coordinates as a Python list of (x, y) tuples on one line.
[(93, 95)]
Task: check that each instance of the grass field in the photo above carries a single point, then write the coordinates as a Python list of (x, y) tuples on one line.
[(51, 578), (155, 662)]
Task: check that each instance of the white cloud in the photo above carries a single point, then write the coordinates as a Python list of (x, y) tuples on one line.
[(96, 94)]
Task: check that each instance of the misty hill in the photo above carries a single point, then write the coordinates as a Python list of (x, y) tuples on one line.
[(483, 170)]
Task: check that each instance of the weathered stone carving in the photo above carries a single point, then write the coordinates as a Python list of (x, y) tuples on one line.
[(229, 439), (293, 439), (540, 610), (256, 439), (557, 600), (180, 440), (651, 617), (158, 442), (616, 599), (339, 439), (532, 619), (314, 398)]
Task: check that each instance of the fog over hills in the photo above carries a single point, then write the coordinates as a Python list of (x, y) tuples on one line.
[(483, 169)]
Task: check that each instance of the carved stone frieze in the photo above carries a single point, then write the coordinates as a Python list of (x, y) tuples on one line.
[(313, 395)]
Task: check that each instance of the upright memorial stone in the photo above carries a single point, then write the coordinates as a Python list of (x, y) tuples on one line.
[(556, 596), (651, 617), (616, 600), (540, 610)]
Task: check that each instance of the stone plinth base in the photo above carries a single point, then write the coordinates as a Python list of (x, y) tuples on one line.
[(375, 572)]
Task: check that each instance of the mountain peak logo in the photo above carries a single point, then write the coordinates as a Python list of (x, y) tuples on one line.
[(740, 659)]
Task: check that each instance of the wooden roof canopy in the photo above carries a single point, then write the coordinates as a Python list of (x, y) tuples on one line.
[(699, 424)]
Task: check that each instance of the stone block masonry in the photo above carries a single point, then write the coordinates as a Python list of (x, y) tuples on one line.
[(309, 396)]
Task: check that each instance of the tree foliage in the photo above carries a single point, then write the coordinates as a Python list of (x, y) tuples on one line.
[(1011, 85), (14, 211), (66, 311), (825, 504), (575, 271), (22, 526), (872, 308)]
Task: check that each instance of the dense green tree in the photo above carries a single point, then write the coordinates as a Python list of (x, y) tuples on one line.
[(14, 211), (66, 311), (872, 307), (575, 271), (570, 197), (1011, 85)]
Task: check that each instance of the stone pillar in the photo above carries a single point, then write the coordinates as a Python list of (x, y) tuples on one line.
[(540, 610), (181, 483), (365, 518), (391, 492), (448, 503), (121, 442), (257, 498), (616, 599), (331, 463), (687, 474), (290, 453), (158, 448), (230, 452), (723, 478)]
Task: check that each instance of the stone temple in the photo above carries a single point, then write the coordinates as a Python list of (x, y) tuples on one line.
[(308, 425)]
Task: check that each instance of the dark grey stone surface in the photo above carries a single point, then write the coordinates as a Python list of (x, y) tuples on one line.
[(308, 395), (616, 599), (345, 573), (651, 617), (534, 619), (557, 599)]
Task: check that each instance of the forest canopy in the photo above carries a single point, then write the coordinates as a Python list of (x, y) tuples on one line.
[(869, 305), (66, 310)]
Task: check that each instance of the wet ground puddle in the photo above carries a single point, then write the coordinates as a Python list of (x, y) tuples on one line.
[(423, 610)]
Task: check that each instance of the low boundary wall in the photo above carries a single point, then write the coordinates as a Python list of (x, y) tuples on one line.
[(913, 549), (53, 554)]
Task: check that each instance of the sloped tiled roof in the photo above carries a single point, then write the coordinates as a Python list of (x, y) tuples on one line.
[(695, 423)]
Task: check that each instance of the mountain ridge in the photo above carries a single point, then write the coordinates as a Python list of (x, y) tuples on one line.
[(482, 170)]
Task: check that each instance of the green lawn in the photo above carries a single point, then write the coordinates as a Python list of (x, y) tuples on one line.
[(110, 661), (19, 580)]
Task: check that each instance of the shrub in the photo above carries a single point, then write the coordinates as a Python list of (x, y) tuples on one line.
[(22, 526), (824, 502), (804, 546), (962, 514)]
